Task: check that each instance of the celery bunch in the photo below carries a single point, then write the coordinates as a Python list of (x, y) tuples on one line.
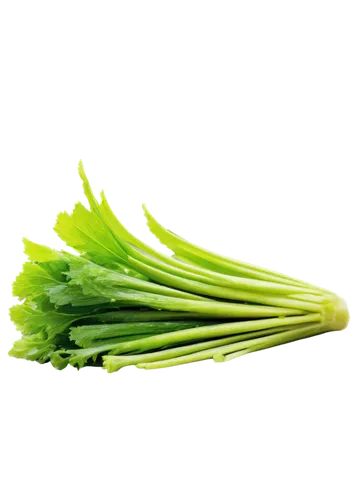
[(119, 302)]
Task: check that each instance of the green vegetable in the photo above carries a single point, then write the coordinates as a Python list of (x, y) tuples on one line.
[(119, 302), (91, 335)]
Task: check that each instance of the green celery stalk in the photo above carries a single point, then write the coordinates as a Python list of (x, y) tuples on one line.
[(193, 272), (113, 341), (147, 315), (79, 357), (336, 319), (85, 334), (247, 293), (175, 243), (214, 308), (122, 236), (218, 353), (82, 270), (212, 331), (148, 342), (317, 299), (113, 363)]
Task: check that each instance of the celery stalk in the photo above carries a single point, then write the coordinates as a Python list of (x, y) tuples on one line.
[(212, 331), (218, 353), (114, 362)]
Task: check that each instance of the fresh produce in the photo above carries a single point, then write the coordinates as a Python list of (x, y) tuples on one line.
[(119, 302)]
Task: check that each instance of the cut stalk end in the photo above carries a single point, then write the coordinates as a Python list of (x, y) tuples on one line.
[(336, 314)]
